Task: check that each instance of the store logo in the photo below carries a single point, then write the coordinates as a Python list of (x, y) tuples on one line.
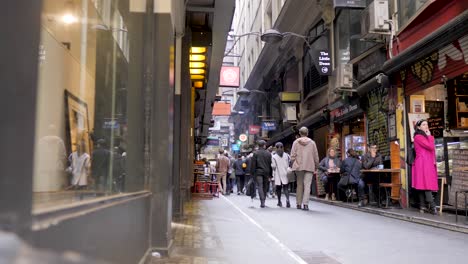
[(324, 62)]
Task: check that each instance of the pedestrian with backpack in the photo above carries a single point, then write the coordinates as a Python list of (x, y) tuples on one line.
[(239, 170)]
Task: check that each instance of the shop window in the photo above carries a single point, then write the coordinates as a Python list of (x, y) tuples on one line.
[(82, 112), (349, 43), (319, 37), (407, 9)]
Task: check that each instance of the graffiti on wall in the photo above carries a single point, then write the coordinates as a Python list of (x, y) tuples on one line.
[(377, 119)]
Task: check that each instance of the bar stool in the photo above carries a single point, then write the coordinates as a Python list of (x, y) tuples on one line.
[(465, 193)]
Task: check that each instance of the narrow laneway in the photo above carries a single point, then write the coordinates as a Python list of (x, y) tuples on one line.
[(233, 229)]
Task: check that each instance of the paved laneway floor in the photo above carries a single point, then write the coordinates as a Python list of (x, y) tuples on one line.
[(233, 229)]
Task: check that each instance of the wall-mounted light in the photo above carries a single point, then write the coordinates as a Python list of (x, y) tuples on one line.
[(197, 57), (197, 65), (197, 49), (198, 84), (197, 71), (197, 77)]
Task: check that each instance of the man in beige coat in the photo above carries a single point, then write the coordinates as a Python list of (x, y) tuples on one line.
[(305, 161), (222, 167)]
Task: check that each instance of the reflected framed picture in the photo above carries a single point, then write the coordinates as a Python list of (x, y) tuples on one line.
[(76, 122), (417, 103)]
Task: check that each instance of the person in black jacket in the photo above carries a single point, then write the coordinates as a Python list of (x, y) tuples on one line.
[(261, 169), (239, 171), (351, 167)]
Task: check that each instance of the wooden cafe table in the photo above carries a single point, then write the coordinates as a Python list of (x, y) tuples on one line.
[(395, 181)]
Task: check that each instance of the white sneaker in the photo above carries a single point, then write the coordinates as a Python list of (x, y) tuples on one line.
[(327, 197), (333, 197)]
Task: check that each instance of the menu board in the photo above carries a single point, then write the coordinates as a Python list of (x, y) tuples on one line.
[(435, 109)]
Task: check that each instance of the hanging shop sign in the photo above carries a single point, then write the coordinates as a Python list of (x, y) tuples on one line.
[(243, 137), (324, 62), (344, 111), (229, 76), (235, 147), (269, 125), (289, 112), (212, 142), (290, 96), (371, 64), (254, 130), (349, 3)]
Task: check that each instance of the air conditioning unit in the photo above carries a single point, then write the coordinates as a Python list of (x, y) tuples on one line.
[(373, 20), (344, 77)]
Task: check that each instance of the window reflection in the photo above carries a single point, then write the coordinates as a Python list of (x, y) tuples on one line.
[(407, 9), (81, 128)]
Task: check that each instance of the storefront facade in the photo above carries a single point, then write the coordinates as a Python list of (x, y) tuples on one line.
[(430, 85), (96, 95)]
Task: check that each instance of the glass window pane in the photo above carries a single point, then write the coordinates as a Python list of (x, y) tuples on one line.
[(82, 113), (407, 9)]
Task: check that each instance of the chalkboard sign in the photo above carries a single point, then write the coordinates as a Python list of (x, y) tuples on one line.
[(435, 109)]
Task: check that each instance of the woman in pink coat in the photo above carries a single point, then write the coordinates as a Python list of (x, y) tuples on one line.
[(424, 171)]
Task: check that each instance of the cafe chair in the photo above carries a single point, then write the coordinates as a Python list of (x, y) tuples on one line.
[(465, 193), (390, 190)]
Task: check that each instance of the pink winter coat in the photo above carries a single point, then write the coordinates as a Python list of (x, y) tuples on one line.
[(424, 171), (304, 155)]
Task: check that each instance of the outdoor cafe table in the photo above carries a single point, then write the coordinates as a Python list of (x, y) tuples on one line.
[(379, 172)]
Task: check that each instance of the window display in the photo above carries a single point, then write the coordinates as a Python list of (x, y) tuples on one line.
[(82, 117)]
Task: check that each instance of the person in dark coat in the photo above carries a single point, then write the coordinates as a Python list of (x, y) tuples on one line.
[(351, 167), (261, 170), (100, 165), (239, 171)]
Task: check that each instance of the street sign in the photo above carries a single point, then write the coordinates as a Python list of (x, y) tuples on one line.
[(243, 137), (269, 125)]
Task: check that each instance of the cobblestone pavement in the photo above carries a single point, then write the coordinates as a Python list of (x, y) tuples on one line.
[(195, 239)]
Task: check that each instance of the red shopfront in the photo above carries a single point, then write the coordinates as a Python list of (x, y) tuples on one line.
[(435, 85)]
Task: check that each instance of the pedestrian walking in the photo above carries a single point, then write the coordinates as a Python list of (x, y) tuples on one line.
[(424, 170), (239, 171), (222, 167), (280, 165), (261, 170), (305, 161)]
